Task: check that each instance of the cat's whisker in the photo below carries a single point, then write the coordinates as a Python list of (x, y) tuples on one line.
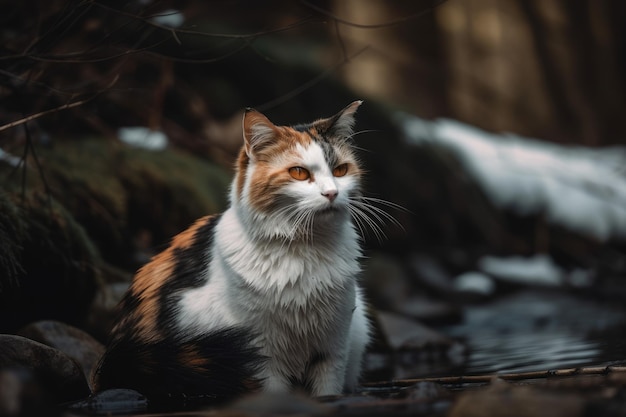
[(360, 132), (361, 214), (385, 203), (296, 217), (358, 222), (380, 213)]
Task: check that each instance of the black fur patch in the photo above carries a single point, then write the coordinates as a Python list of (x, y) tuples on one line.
[(329, 153), (190, 272), (209, 368)]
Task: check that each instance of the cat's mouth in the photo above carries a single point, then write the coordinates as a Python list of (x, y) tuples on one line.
[(330, 209)]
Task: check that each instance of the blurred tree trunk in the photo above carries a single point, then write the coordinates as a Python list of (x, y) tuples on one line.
[(404, 62), (553, 70)]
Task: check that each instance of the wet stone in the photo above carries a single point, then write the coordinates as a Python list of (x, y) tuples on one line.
[(23, 394), (266, 404), (426, 391), (429, 311), (502, 399), (402, 333), (75, 343), (113, 401), (57, 375)]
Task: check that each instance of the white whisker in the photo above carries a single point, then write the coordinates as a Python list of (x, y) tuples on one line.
[(365, 213)]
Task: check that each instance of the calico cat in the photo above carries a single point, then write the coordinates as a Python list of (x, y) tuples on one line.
[(265, 295)]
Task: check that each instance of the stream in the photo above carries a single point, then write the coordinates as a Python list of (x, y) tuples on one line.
[(532, 330)]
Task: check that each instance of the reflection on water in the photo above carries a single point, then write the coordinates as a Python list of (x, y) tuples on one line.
[(522, 332), (532, 331), (530, 352)]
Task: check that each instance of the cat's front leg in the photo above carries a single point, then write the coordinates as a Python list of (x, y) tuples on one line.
[(274, 381), (327, 375)]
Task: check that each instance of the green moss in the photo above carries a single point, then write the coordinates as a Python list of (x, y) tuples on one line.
[(117, 192), (169, 190)]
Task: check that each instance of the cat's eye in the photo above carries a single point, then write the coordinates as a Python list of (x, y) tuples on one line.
[(299, 173), (340, 170)]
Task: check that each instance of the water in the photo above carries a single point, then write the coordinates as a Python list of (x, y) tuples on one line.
[(532, 331)]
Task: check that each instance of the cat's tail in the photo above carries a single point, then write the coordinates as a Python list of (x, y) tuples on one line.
[(209, 368)]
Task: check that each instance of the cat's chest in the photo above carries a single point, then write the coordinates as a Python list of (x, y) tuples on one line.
[(287, 269), (287, 274)]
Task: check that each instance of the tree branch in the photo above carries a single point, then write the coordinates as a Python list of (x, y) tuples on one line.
[(56, 109)]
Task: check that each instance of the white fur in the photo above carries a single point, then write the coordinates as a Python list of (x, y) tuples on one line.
[(299, 294)]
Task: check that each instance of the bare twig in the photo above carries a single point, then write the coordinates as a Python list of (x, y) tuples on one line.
[(56, 109), (521, 376), (43, 113)]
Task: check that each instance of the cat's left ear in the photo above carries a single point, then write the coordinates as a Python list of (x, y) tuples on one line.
[(342, 124), (258, 132)]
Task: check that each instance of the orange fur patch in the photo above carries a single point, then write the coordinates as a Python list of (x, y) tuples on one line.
[(191, 357), (272, 164), (150, 279)]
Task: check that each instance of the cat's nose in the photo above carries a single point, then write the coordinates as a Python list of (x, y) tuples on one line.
[(330, 195)]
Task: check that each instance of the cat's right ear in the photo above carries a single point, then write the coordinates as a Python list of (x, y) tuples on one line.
[(258, 131)]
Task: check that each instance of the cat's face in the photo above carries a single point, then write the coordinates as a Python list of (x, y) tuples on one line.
[(298, 177)]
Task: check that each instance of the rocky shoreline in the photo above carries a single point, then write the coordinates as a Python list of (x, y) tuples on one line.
[(45, 371)]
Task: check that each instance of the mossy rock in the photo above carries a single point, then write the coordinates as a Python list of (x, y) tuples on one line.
[(118, 193), (84, 205), (48, 265)]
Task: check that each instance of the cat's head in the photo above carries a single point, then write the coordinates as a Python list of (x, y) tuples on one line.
[(295, 178)]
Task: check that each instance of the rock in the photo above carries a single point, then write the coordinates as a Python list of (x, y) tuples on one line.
[(502, 399), (75, 343), (103, 310), (113, 401), (415, 348), (265, 404), (402, 333), (10, 390), (57, 374), (385, 281), (430, 311), (431, 273), (426, 391), (22, 394)]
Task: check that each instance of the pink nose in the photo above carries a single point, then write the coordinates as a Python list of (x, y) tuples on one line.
[(330, 195)]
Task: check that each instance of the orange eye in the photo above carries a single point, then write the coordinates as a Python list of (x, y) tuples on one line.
[(299, 173), (340, 170)]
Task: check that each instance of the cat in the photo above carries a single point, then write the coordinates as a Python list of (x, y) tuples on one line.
[(263, 296)]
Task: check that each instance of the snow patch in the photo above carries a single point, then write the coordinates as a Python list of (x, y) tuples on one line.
[(580, 188), (142, 137), (474, 282), (172, 18), (535, 270), (12, 160)]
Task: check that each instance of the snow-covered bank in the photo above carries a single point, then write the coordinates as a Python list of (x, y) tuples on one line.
[(579, 188)]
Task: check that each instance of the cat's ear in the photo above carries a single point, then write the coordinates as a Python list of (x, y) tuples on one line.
[(342, 124), (258, 131)]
